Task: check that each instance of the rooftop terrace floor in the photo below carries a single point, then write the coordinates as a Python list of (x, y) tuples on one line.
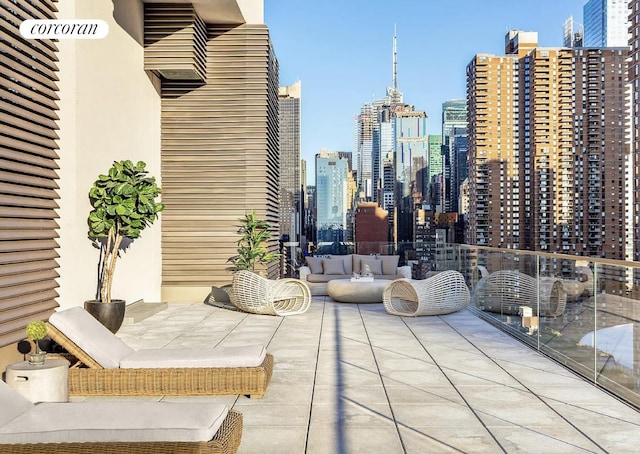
[(351, 378)]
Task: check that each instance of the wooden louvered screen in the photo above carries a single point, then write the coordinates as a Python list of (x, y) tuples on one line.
[(219, 156), (175, 40), (28, 228)]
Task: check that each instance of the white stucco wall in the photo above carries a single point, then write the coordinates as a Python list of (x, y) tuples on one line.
[(252, 11), (109, 110)]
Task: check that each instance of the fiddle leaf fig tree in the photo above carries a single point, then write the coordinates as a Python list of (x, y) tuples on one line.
[(252, 249), (124, 204)]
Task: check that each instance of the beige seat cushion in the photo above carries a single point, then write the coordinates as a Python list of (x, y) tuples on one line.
[(245, 356), (110, 421), (322, 277)]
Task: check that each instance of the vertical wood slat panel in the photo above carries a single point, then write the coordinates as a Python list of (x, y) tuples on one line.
[(28, 226), (219, 156)]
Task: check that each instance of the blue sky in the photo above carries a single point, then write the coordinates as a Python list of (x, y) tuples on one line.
[(341, 50)]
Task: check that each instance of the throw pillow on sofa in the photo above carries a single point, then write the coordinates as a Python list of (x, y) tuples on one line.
[(314, 264), (346, 260), (333, 266), (357, 259), (375, 265), (389, 264)]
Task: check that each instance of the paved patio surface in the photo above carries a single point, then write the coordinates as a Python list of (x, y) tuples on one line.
[(350, 378)]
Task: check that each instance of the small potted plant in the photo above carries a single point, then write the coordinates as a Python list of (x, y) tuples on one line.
[(252, 248), (36, 331), (123, 204)]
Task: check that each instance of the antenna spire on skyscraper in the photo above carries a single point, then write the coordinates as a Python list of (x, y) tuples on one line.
[(395, 60), (393, 94)]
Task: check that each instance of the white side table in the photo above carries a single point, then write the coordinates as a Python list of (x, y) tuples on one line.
[(48, 382)]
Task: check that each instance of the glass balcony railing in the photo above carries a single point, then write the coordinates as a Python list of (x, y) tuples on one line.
[(583, 312)]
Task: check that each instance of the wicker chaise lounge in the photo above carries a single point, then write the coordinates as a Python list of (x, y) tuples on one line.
[(440, 294), (116, 426), (106, 366), (257, 295)]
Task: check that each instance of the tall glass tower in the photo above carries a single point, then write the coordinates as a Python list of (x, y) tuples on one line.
[(454, 150), (410, 149), (606, 23), (367, 133), (331, 196)]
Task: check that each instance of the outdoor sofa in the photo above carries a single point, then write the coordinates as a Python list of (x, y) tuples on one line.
[(104, 365), (320, 270), (116, 426)]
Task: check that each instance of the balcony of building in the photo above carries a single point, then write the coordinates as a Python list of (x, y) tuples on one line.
[(543, 360)]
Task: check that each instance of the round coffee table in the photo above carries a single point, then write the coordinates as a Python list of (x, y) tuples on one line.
[(348, 291)]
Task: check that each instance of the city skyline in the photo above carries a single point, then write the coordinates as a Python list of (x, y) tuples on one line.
[(352, 64)]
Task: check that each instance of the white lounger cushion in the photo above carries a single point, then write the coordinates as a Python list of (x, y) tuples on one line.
[(246, 356), (111, 421), (110, 352), (12, 404), (91, 336)]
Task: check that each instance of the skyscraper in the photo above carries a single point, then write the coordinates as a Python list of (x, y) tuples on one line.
[(633, 237), (332, 171), (290, 184), (454, 151), (435, 173), (374, 137), (570, 36), (606, 23), (410, 143), (547, 154), (367, 126)]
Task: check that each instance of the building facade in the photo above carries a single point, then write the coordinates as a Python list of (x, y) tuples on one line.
[(606, 23), (367, 150), (290, 164), (219, 155), (29, 176), (370, 229), (411, 144), (454, 151), (331, 197), (570, 36), (434, 183), (165, 80), (548, 142), (633, 237)]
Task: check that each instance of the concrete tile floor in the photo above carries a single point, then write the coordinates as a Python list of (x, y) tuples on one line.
[(351, 378)]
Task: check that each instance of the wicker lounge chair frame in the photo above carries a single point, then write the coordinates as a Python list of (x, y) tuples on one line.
[(226, 441), (440, 294), (88, 378), (257, 295)]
